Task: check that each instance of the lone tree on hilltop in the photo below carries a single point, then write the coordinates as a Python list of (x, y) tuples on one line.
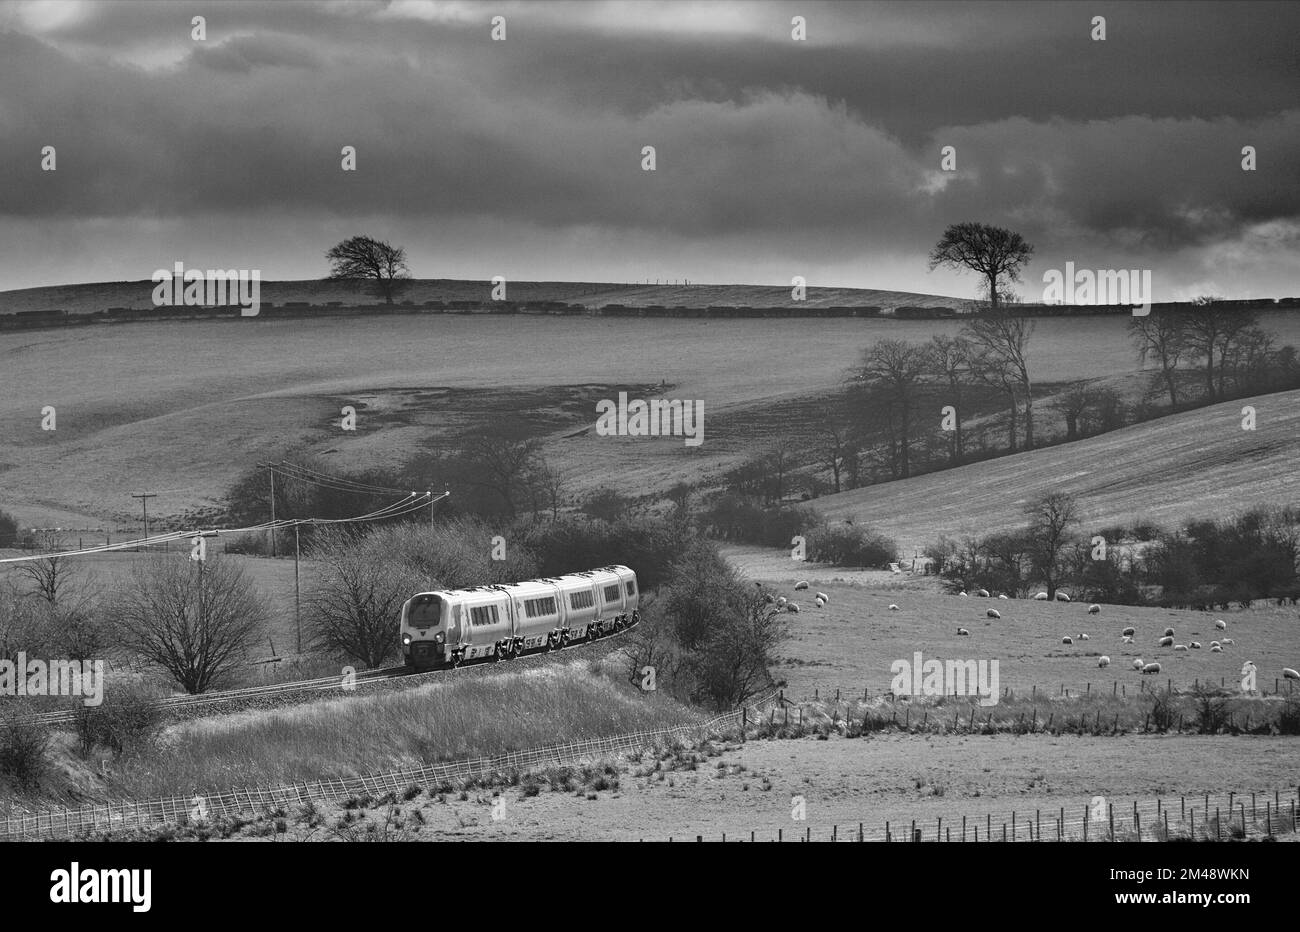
[(994, 253), (362, 257)]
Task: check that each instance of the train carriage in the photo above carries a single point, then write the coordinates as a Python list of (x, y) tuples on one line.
[(448, 627)]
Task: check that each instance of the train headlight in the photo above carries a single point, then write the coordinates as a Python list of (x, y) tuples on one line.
[(406, 639), (439, 637)]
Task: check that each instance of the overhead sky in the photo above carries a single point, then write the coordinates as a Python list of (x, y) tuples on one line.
[(775, 156)]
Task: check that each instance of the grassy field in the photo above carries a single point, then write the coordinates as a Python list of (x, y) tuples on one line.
[(182, 408), (850, 644), (1196, 464)]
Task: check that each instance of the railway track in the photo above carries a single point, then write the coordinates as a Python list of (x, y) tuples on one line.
[(250, 695)]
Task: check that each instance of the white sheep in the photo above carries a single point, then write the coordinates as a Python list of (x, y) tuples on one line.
[(1138, 664), (893, 608), (1083, 637), (781, 601), (1062, 596), (1128, 632), (1151, 668), (1196, 645), (801, 585), (1180, 647), (1067, 640), (1166, 641), (793, 608), (1103, 661), (1216, 649), (1229, 641), (982, 593), (1004, 596), (1040, 596), (1094, 609), (823, 596), (1221, 625), (819, 603), (1289, 674), (963, 594), (962, 631), (993, 613), (1214, 644)]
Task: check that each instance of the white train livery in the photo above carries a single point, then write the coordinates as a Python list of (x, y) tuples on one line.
[(448, 627)]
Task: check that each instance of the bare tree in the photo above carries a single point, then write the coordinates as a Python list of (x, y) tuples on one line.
[(1003, 337), (1049, 535), (992, 252), (507, 466), (356, 598), (1212, 333), (997, 372), (49, 577), (363, 257), (833, 444), (1161, 335), (194, 619), (896, 367), (949, 360)]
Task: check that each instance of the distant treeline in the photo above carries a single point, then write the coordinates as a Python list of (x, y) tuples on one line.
[(23, 320)]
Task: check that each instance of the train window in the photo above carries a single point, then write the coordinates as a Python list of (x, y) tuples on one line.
[(581, 600), (425, 611), (537, 608), (631, 587), (483, 615), (611, 593)]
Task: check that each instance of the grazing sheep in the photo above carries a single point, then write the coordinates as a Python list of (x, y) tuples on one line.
[(1151, 668), (893, 608), (801, 585), (1062, 596), (1289, 674), (1083, 637), (1004, 596), (982, 593), (823, 596), (1214, 644), (993, 613), (1169, 632), (1138, 664), (962, 631), (1180, 647), (1228, 641), (1166, 641), (1196, 645), (793, 608), (1094, 609), (1067, 640), (1040, 596), (963, 594), (782, 600), (819, 602), (1216, 649), (1221, 625), (1103, 661), (1128, 632)]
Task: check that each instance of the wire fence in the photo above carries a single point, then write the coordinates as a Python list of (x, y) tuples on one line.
[(93, 819), (1227, 816)]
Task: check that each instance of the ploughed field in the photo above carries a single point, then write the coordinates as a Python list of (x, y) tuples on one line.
[(184, 407)]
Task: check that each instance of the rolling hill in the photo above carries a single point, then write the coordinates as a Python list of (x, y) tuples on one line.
[(1195, 464), (88, 298)]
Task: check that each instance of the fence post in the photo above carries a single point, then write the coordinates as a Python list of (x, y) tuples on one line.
[(1111, 807)]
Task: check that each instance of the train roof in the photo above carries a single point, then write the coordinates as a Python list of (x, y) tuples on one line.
[(578, 576)]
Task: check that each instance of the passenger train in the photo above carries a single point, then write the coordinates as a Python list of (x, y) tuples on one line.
[(448, 627)]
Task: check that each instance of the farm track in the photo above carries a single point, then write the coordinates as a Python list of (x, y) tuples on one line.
[(262, 698)]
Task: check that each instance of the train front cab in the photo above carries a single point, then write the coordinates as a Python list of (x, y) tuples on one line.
[(425, 619)]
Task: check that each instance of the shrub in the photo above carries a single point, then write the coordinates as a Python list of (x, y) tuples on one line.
[(24, 753), (127, 721), (850, 545)]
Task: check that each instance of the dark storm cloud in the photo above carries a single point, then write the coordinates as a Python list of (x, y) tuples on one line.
[(1129, 144)]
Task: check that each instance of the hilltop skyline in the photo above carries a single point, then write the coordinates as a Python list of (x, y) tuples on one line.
[(775, 157)]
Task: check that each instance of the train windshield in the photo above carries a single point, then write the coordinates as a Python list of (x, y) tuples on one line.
[(426, 611)]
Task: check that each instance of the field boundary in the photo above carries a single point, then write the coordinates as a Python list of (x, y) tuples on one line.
[(71, 822)]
